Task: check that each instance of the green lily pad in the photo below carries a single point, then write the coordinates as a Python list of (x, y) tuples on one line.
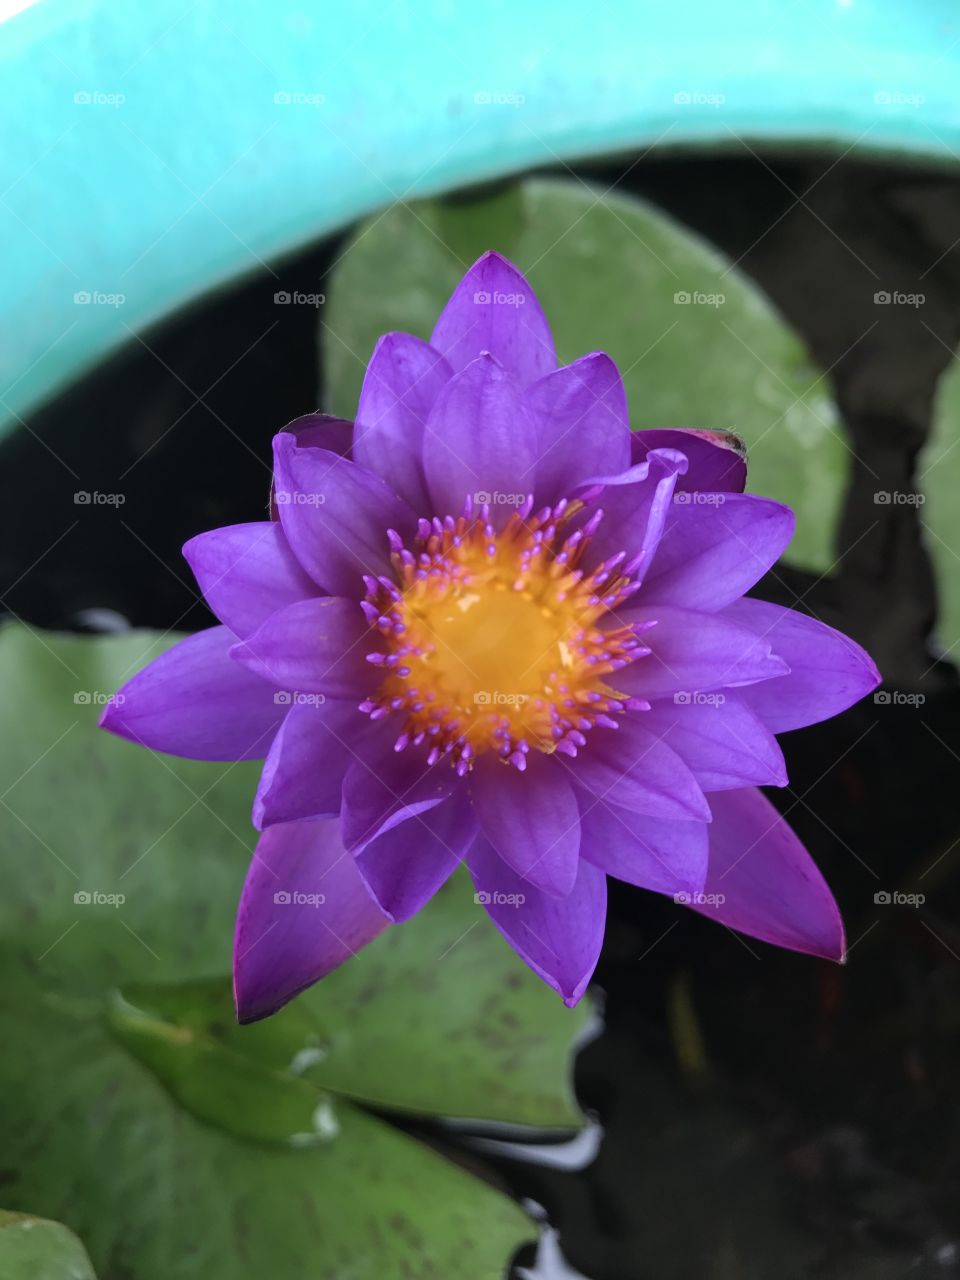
[(938, 482), (455, 1026), (697, 343), (175, 1143), (37, 1249)]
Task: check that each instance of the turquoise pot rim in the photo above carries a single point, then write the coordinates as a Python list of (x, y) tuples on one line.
[(160, 155)]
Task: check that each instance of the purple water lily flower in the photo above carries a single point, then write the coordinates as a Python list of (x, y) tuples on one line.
[(486, 623)]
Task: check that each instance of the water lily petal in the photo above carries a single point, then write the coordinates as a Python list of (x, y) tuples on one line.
[(715, 546), (303, 772), (828, 671), (494, 309), (335, 515), (480, 441), (530, 818), (246, 572), (383, 788), (322, 431), (403, 379), (765, 882), (693, 652), (316, 431), (313, 646), (405, 866), (635, 506), (667, 857), (559, 938), (303, 911), (633, 769), (194, 701), (583, 425), (721, 740), (718, 461)]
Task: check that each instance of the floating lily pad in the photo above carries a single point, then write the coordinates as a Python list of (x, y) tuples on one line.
[(176, 1144), (938, 482), (697, 343), (36, 1249)]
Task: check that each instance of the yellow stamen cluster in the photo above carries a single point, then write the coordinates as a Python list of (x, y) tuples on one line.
[(494, 640)]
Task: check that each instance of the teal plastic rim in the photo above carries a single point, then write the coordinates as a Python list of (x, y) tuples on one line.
[(156, 152)]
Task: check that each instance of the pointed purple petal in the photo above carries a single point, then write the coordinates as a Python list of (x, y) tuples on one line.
[(480, 441), (404, 867), (246, 572), (633, 769), (718, 460), (313, 646), (692, 652), (403, 379), (303, 911), (715, 546), (828, 671), (494, 309), (303, 773), (667, 857), (335, 515), (194, 701), (559, 938), (531, 819), (766, 883), (721, 740), (583, 425)]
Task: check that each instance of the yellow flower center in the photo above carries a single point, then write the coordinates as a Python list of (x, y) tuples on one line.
[(494, 639)]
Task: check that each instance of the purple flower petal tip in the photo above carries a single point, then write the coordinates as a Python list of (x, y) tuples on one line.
[(195, 701), (486, 623), (762, 882), (304, 910), (494, 309)]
